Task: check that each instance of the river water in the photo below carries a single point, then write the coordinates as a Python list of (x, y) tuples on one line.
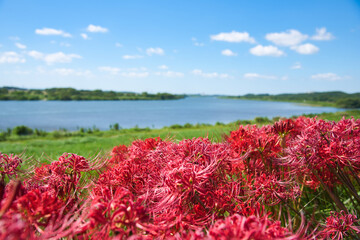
[(52, 115)]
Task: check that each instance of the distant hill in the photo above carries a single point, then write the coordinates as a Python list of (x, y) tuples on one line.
[(14, 88), (71, 94), (334, 99)]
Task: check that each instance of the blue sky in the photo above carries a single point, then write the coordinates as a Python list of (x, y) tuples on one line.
[(207, 47)]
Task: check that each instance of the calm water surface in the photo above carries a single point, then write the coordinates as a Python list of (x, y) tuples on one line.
[(52, 115)]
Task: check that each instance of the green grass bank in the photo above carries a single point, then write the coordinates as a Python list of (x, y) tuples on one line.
[(47, 146)]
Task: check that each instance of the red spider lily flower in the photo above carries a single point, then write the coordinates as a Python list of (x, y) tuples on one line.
[(119, 154), (345, 143), (119, 212), (62, 177), (268, 189), (37, 207), (283, 127), (139, 167), (250, 207), (188, 235), (241, 139), (9, 164), (257, 146), (139, 149), (306, 155), (322, 147), (13, 226), (194, 188), (246, 228), (340, 225), (152, 143), (10, 196), (68, 223), (8, 167), (74, 162), (42, 172)]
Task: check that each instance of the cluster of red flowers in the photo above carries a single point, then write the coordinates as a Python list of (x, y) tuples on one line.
[(256, 184)]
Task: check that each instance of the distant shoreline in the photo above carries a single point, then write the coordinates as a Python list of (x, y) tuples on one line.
[(322, 99), (89, 100), (70, 94)]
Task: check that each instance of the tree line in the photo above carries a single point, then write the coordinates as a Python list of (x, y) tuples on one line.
[(336, 98), (71, 94)]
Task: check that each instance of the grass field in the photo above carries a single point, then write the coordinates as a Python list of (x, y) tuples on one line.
[(50, 147)]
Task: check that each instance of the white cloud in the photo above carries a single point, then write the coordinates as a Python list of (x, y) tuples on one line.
[(21, 46), (136, 69), (284, 78), (51, 31), (199, 44), (127, 57), (60, 57), (327, 76), (62, 44), (111, 70), (322, 35), (289, 38), (128, 73), (118, 45), (296, 66), (20, 72), (85, 73), (306, 49), (134, 74), (196, 43), (258, 76), (84, 36), (163, 67), (228, 52), (69, 71), (170, 74), (52, 58), (234, 37), (65, 44), (158, 51), (36, 54), (40, 70), (96, 29), (272, 51), (198, 72), (14, 38), (64, 71), (11, 57)]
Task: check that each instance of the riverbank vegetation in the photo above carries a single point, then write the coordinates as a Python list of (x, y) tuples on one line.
[(331, 99), (91, 141), (70, 94)]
